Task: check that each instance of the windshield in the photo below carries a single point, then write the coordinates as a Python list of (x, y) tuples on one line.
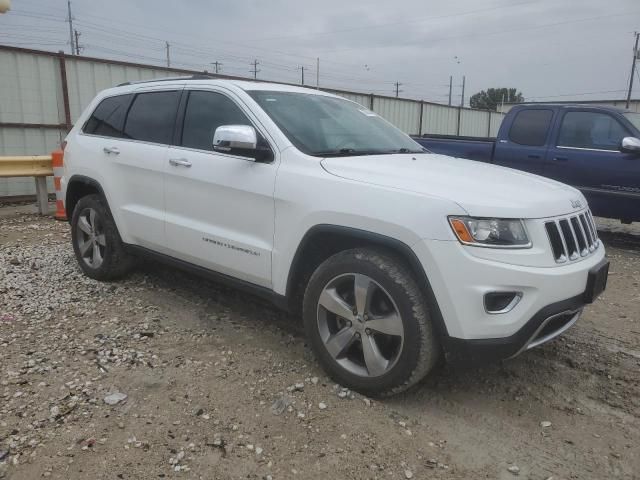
[(327, 126), (634, 118)]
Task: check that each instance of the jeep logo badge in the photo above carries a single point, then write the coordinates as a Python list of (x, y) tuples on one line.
[(576, 203)]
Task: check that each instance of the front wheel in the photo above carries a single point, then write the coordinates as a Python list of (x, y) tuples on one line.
[(369, 323), (96, 241)]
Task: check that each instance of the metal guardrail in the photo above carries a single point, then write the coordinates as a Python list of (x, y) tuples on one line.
[(38, 166)]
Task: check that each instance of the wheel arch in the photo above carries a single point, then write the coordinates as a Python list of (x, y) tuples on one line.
[(80, 186), (322, 241)]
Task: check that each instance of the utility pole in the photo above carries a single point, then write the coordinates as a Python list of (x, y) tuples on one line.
[(217, 66), (398, 85), (318, 73), (450, 88), (70, 20), (302, 70), (633, 68), (78, 47), (168, 47), (255, 69), (462, 98)]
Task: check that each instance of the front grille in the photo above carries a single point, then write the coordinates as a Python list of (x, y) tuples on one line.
[(572, 237)]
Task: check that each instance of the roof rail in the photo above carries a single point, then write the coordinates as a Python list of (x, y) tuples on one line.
[(199, 76)]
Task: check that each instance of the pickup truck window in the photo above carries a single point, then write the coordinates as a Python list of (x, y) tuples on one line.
[(152, 116), (107, 119), (530, 127), (634, 118), (326, 126), (598, 131), (205, 112)]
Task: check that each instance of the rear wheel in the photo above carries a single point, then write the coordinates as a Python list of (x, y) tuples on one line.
[(369, 323), (96, 241)]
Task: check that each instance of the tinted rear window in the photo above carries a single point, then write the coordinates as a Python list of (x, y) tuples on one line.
[(152, 117), (108, 117), (530, 127)]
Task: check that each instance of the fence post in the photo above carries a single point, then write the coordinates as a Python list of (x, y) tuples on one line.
[(42, 197), (371, 98), (65, 89), (420, 122), (459, 117), (489, 125)]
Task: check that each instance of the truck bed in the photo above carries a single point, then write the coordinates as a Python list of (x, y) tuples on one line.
[(472, 148)]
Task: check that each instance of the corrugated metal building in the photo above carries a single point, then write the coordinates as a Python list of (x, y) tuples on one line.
[(43, 93)]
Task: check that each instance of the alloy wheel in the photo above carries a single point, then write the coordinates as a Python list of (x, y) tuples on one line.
[(90, 238), (360, 325)]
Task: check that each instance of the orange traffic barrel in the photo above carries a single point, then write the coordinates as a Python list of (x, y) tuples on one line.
[(57, 163)]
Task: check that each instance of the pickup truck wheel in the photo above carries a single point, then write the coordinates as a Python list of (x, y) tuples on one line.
[(368, 322), (96, 241)]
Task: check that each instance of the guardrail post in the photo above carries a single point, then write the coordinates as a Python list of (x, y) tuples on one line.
[(42, 197)]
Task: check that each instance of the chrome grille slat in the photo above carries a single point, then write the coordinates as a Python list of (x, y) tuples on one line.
[(581, 237), (572, 237), (587, 231)]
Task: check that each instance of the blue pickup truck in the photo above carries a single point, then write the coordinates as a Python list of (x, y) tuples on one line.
[(595, 149)]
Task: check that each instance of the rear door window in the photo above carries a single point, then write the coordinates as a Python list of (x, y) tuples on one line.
[(205, 112), (598, 131), (107, 119), (530, 127), (152, 117)]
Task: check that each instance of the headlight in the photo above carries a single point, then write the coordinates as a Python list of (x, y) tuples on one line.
[(490, 232)]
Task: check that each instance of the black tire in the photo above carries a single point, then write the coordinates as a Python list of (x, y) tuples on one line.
[(420, 349), (115, 261)]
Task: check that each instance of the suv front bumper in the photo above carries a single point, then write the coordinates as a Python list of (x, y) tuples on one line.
[(552, 299)]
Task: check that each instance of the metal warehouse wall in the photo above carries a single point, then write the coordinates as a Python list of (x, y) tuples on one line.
[(43, 93)]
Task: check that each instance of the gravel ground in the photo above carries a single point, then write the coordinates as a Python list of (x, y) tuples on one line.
[(164, 375)]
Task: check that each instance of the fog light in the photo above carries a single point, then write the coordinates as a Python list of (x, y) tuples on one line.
[(501, 302)]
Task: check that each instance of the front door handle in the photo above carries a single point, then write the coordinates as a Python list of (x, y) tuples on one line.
[(560, 159), (533, 156), (180, 162), (111, 150)]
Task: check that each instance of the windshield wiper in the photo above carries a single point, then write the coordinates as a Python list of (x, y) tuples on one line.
[(406, 150), (348, 152)]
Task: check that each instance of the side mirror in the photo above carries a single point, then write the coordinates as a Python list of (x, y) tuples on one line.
[(630, 145), (241, 140)]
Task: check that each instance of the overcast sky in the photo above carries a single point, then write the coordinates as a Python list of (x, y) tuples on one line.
[(548, 49)]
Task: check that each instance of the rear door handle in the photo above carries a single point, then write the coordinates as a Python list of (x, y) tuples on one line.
[(111, 150), (533, 156), (180, 162), (560, 159)]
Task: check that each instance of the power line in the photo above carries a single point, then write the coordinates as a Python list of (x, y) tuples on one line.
[(476, 35), (77, 38), (216, 66), (392, 24), (398, 85), (255, 68)]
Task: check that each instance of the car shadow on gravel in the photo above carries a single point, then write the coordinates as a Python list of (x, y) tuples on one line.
[(246, 306), (622, 240)]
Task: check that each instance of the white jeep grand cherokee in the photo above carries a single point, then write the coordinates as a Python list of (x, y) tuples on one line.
[(393, 255)]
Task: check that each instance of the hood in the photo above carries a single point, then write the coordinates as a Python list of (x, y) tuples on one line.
[(482, 189)]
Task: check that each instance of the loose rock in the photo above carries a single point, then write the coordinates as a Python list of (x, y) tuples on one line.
[(115, 398)]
